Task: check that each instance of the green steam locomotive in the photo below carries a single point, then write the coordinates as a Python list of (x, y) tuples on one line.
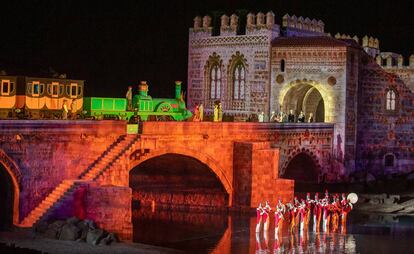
[(144, 107)]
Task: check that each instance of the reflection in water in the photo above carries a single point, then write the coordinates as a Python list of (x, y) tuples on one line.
[(220, 233)]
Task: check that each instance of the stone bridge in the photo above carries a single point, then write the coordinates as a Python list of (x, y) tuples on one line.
[(92, 169)]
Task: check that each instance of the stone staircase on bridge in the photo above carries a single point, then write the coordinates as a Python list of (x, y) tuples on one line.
[(109, 158), (66, 188)]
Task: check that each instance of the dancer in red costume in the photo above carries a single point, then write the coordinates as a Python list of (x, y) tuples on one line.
[(279, 217), (326, 212), (266, 216), (308, 203), (346, 207), (317, 213), (292, 216), (335, 211), (259, 211), (302, 215)]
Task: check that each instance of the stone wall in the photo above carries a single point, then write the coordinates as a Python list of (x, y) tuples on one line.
[(110, 208), (384, 132), (252, 49), (256, 177), (47, 152)]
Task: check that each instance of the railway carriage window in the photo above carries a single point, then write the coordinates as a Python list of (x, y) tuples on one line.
[(5, 87), (41, 88), (35, 88), (67, 90), (73, 90), (79, 90), (60, 89), (11, 87), (55, 89)]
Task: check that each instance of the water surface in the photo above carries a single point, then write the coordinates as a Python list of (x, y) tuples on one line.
[(197, 232)]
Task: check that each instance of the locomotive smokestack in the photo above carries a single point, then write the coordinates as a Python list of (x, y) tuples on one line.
[(143, 88), (178, 90)]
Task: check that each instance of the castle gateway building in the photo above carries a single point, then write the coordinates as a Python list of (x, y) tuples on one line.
[(367, 94)]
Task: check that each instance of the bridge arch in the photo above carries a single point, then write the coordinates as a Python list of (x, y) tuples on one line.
[(303, 166), (12, 172), (201, 157), (308, 96)]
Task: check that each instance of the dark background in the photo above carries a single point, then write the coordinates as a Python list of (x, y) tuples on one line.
[(115, 44)]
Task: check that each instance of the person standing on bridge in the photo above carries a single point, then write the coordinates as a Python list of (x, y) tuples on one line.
[(220, 112), (65, 110), (196, 117), (201, 111), (216, 113), (310, 119), (261, 117), (129, 97), (291, 116), (301, 117)]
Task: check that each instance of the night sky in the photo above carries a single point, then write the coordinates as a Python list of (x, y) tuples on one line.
[(115, 44)]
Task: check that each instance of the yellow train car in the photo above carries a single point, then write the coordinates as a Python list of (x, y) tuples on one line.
[(39, 98)]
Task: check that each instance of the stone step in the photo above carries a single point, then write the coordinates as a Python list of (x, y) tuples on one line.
[(407, 210), (408, 202)]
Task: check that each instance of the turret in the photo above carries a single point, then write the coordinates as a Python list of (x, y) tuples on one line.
[(224, 22), (270, 19), (143, 88), (400, 61), (250, 21), (234, 20), (197, 22), (206, 22), (260, 19), (178, 90), (378, 59)]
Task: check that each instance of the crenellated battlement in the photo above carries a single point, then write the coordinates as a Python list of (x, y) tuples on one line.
[(202, 26), (371, 45), (347, 36), (230, 25), (302, 25), (394, 60)]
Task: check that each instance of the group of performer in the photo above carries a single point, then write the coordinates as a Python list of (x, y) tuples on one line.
[(328, 212)]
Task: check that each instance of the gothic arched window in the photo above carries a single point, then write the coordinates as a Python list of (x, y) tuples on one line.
[(215, 82), (239, 81), (391, 100)]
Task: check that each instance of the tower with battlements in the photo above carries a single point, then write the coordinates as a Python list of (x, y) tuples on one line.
[(298, 67)]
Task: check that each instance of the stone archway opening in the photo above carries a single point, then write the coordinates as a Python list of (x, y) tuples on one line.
[(176, 197), (7, 193), (303, 169), (305, 97)]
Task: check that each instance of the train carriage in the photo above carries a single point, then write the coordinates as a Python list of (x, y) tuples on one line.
[(11, 95), (39, 98)]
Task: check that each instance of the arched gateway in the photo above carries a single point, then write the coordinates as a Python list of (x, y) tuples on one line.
[(9, 191), (183, 171), (310, 97), (303, 168)]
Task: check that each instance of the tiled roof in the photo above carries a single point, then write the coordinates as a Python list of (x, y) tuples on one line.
[(313, 41)]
